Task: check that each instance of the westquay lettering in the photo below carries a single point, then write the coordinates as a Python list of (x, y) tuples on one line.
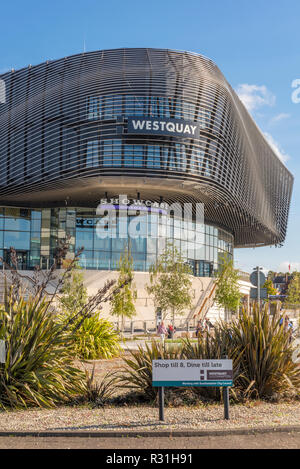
[(162, 127)]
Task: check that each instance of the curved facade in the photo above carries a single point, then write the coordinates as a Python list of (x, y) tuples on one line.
[(153, 124)]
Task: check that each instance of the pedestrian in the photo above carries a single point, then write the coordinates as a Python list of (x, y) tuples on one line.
[(170, 331), (198, 329), (162, 331), (208, 325)]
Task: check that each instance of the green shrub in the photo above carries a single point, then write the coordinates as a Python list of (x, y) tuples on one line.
[(266, 366), (258, 345), (98, 393), (261, 354), (215, 346), (95, 339), (137, 375), (38, 370)]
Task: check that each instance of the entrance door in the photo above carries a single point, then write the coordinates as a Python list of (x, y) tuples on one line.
[(21, 258)]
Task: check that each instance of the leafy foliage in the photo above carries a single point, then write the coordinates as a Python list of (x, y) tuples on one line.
[(227, 289), (38, 369), (293, 293), (99, 393), (122, 303), (258, 345), (137, 374), (170, 283), (73, 295), (39, 349), (261, 354), (95, 339), (267, 368), (269, 286)]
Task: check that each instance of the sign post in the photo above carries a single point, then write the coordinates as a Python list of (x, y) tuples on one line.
[(185, 373), (2, 352), (161, 398), (258, 278)]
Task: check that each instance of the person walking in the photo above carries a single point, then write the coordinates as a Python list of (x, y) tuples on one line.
[(162, 331), (198, 329), (171, 331)]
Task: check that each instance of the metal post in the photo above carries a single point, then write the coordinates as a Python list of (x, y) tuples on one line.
[(161, 397), (226, 402), (161, 401), (226, 399)]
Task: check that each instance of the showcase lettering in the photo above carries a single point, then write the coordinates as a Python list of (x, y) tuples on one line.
[(161, 127)]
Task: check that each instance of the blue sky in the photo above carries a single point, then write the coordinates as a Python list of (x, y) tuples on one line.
[(254, 43)]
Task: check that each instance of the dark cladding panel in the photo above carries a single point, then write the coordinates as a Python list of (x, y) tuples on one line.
[(61, 117)]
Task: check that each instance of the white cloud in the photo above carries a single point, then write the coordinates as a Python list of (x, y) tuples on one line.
[(284, 266), (279, 117), (255, 96), (284, 157)]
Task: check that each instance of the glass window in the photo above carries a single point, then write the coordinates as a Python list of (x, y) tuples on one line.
[(102, 260), (17, 240), (151, 245), (139, 261), (138, 156), (92, 154), (108, 107), (107, 152), (128, 155), (84, 238), (18, 224), (150, 260), (189, 111)]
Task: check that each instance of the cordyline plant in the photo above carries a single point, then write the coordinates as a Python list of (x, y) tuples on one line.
[(261, 353), (137, 375), (257, 344), (38, 366)]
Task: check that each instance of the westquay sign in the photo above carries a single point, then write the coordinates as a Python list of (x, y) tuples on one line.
[(175, 127)]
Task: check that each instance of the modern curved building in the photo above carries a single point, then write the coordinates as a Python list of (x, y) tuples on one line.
[(157, 126)]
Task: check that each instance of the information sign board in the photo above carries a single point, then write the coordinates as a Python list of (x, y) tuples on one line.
[(208, 372)]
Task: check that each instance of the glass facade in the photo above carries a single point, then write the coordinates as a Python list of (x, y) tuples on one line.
[(172, 157), (164, 107), (35, 234)]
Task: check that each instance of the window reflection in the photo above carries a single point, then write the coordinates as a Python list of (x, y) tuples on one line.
[(35, 235)]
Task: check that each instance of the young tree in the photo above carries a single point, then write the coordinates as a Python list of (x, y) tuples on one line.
[(293, 293), (227, 289), (170, 283), (123, 302), (73, 293), (269, 286)]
